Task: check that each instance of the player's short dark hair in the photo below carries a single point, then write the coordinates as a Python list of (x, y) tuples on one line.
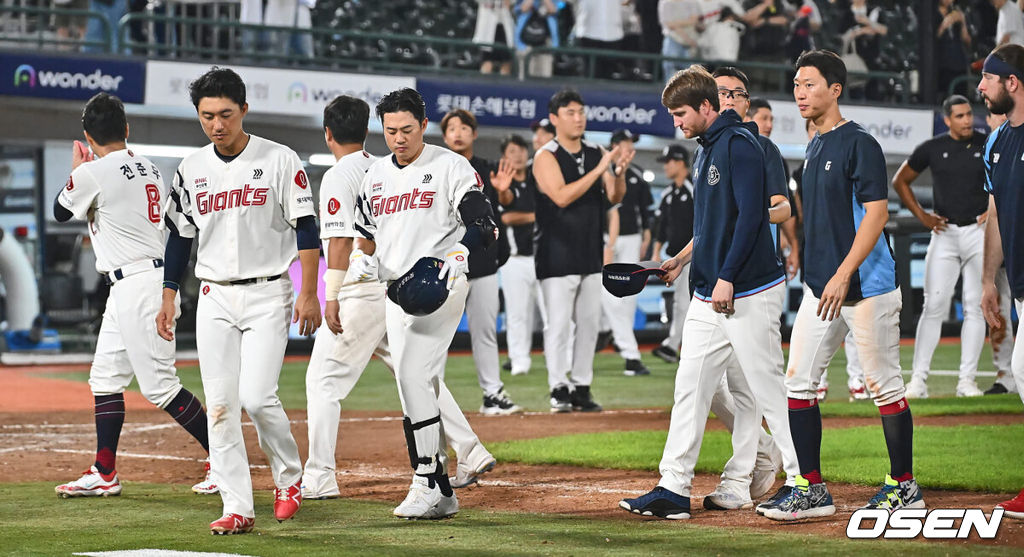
[(953, 100), (831, 66), (402, 100), (732, 71), (464, 116), (690, 87), (565, 97), (103, 118), (757, 103), (514, 139), (347, 118), (218, 82)]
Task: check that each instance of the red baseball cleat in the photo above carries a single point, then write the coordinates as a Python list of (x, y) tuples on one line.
[(1014, 508), (232, 524), (287, 501), (91, 484)]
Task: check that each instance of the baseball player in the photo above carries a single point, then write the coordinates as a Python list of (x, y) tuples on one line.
[(673, 231), (423, 201), (574, 184), (119, 193), (733, 324), (631, 243), (850, 285), (543, 132), (482, 304), (250, 199), (1002, 86), (353, 331), (957, 236), (519, 274)]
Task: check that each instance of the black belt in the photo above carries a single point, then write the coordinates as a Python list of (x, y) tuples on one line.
[(255, 280), (963, 222), (119, 274)]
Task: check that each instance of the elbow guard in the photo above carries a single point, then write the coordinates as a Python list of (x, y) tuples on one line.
[(477, 214)]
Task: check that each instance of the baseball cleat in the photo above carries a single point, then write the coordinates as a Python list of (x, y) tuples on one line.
[(805, 500), (774, 500), (468, 474), (968, 389), (287, 501), (499, 405), (207, 486), (857, 390), (997, 388), (91, 484), (1014, 508), (311, 495), (897, 495), (425, 501), (668, 355), (725, 500), (917, 388), (583, 401), (561, 400), (634, 368), (232, 524), (659, 502), (766, 468)]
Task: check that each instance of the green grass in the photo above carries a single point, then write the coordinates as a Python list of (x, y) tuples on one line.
[(944, 457), (376, 389), (169, 517)]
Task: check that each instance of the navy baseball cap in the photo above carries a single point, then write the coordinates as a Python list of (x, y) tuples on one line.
[(622, 134), (420, 291), (675, 152), (627, 279)]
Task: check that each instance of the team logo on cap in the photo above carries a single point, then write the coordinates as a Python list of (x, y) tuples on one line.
[(333, 205), (301, 180), (713, 175)]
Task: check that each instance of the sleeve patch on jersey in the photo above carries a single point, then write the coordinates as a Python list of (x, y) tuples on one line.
[(70, 185), (301, 180), (479, 180), (333, 205)]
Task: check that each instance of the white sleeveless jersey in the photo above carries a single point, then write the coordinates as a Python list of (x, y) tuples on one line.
[(245, 210), (412, 212), (339, 190), (121, 195)]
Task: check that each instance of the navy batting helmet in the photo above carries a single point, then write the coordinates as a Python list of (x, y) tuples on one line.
[(420, 291)]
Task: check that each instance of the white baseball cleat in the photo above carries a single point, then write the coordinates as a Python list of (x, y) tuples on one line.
[(917, 388), (968, 389), (425, 502), (477, 463), (207, 486), (91, 484), (723, 499), (766, 468)]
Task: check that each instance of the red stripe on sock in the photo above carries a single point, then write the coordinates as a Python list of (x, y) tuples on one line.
[(813, 477), (905, 477), (800, 404), (894, 408)]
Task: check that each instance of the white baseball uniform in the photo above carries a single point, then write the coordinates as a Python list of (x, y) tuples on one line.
[(246, 210), (121, 196), (338, 361), (412, 212)]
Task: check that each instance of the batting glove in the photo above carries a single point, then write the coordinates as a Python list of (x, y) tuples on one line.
[(456, 264), (362, 267)]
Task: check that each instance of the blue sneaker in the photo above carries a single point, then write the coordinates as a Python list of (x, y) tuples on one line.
[(659, 502), (897, 495), (774, 500), (806, 500)]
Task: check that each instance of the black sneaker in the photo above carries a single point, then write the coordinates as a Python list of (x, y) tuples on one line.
[(507, 366), (635, 367), (997, 388), (499, 405), (667, 354), (582, 401), (774, 500), (604, 338), (561, 400)]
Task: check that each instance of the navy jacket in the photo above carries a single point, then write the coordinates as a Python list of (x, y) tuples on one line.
[(731, 237)]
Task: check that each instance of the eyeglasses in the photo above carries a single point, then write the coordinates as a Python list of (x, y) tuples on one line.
[(733, 94)]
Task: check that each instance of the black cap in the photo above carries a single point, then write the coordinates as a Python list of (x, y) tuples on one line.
[(627, 279), (623, 134), (675, 152), (543, 123), (420, 291)]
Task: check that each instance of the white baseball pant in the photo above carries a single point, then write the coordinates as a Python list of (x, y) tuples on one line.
[(1018, 353), (574, 312), (620, 313), (710, 340), (419, 348), (680, 303), (875, 324), (241, 336), (522, 292), (128, 345), (482, 306), (854, 371), (952, 252), (1001, 353)]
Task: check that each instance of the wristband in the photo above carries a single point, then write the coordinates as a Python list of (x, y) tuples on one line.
[(333, 279)]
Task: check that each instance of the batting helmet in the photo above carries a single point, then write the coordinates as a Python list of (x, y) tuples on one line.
[(420, 291)]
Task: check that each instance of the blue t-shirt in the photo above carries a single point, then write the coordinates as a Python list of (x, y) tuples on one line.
[(731, 238), (1004, 173), (843, 170)]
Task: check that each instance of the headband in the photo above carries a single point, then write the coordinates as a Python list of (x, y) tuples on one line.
[(997, 66)]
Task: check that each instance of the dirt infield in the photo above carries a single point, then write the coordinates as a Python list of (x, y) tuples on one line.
[(56, 442)]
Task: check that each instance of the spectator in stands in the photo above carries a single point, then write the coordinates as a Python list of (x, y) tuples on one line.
[(679, 20), (278, 13), (536, 25), (1010, 27), (599, 26), (769, 27), (951, 43), (806, 22), (70, 28), (96, 31), (494, 26), (632, 41), (860, 25), (543, 131), (722, 25), (981, 24)]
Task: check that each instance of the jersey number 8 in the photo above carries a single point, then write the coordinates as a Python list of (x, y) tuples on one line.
[(153, 196)]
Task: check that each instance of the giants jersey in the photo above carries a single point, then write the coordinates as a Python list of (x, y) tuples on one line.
[(412, 211), (120, 195), (246, 209), (339, 190)]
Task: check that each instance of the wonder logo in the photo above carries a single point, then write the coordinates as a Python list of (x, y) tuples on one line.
[(297, 92), (25, 74)]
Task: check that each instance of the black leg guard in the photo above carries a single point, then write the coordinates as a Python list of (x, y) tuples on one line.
[(410, 440)]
